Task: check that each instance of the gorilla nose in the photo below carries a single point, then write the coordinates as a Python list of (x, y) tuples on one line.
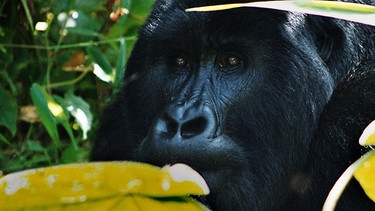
[(184, 122)]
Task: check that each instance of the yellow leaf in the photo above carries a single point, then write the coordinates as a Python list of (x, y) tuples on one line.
[(360, 13), (115, 185), (216, 7), (363, 171), (368, 135), (345, 7), (365, 174)]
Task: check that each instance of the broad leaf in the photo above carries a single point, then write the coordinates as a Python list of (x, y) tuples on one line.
[(365, 174), (45, 110), (102, 67), (368, 135), (79, 109), (108, 185), (363, 170), (34, 146), (335, 9)]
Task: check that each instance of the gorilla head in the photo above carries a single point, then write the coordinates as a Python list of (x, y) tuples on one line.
[(238, 95)]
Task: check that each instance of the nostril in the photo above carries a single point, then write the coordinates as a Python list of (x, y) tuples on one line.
[(186, 122), (193, 127), (167, 126)]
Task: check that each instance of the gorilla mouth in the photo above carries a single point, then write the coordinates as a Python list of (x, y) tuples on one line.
[(203, 155)]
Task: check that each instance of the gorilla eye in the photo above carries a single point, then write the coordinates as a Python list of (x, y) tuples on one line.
[(229, 61), (181, 62)]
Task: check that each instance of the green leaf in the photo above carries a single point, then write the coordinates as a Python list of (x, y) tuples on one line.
[(120, 67), (359, 13), (73, 155), (8, 111), (141, 9), (65, 121), (69, 130), (99, 58), (28, 14), (128, 25), (86, 32), (39, 98), (80, 110), (108, 185), (3, 139), (342, 7), (34, 146), (90, 6), (5, 75)]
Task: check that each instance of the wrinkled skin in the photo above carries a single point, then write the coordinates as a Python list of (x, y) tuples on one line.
[(267, 105)]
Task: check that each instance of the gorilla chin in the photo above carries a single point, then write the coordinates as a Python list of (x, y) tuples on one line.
[(267, 105), (219, 160)]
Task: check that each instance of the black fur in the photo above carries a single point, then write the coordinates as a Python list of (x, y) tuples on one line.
[(274, 131)]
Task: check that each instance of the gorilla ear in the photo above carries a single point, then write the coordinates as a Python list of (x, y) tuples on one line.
[(324, 43)]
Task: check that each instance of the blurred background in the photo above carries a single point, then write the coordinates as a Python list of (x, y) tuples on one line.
[(60, 62)]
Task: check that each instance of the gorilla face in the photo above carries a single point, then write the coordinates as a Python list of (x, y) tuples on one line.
[(228, 96), (234, 94)]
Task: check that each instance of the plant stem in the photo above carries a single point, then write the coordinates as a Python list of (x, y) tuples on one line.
[(66, 83), (75, 45)]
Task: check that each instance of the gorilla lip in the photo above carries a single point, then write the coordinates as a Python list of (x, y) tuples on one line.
[(175, 152)]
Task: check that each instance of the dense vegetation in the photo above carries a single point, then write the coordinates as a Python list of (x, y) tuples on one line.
[(60, 61)]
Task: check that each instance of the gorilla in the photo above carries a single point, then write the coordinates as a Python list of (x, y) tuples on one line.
[(267, 105)]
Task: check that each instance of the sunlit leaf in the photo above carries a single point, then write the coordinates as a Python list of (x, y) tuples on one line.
[(103, 66), (365, 174), (363, 170), (55, 109), (59, 115), (79, 109), (343, 10), (340, 185), (101, 74), (51, 113), (108, 185), (368, 135)]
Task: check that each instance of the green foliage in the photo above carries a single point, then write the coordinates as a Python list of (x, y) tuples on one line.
[(8, 111), (54, 80)]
